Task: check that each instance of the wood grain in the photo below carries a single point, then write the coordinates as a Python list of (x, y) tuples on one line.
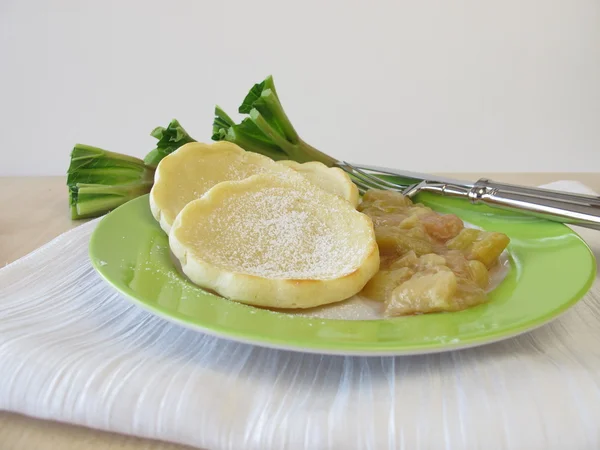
[(34, 212)]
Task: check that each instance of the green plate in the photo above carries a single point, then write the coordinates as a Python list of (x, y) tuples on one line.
[(551, 268)]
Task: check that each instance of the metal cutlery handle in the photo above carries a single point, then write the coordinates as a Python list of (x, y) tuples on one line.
[(581, 199), (557, 209)]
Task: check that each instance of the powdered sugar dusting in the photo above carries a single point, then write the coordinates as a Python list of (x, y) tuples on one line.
[(288, 230), (355, 308)]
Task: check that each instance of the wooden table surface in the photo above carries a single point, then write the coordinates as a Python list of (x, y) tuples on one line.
[(34, 211)]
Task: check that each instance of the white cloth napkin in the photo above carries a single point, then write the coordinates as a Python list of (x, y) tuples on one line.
[(73, 350)]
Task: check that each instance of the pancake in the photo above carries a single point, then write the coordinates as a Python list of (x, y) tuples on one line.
[(275, 240), (331, 179)]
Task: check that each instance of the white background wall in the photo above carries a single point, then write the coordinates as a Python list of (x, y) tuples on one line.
[(509, 85)]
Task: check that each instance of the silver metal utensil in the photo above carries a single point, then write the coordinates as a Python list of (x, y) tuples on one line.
[(575, 209)]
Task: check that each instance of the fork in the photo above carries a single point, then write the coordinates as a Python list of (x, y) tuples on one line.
[(563, 207)]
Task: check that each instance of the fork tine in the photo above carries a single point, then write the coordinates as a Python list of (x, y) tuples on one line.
[(362, 187), (371, 180), (361, 181)]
